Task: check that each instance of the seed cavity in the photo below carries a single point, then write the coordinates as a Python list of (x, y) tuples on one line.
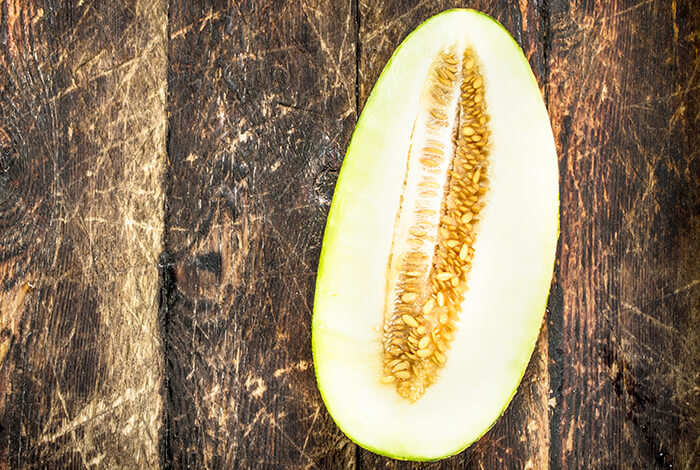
[(445, 187)]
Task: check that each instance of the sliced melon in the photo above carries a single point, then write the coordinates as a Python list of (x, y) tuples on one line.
[(439, 247)]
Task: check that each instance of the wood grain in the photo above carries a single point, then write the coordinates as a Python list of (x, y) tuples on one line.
[(83, 143), (623, 96), (262, 105)]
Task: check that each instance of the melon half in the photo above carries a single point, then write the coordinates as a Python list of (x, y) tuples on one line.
[(440, 244)]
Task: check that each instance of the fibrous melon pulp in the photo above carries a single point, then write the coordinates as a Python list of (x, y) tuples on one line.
[(440, 243)]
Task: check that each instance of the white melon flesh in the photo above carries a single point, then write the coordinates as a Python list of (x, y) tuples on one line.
[(511, 270)]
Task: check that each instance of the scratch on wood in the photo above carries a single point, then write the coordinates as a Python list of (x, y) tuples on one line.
[(301, 365), (260, 386), (95, 411)]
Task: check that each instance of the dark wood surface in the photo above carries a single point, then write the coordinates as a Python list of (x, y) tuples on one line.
[(166, 169), (82, 135)]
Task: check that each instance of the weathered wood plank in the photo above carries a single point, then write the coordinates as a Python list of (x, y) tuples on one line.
[(623, 94), (82, 141), (262, 104), (520, 439)]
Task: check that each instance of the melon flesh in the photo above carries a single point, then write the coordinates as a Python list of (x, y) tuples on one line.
[(511, 271)]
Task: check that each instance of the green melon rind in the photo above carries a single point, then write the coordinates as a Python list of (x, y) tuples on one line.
[(348, 179)]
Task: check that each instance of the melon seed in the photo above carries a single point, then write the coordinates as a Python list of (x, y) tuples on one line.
[(434, 263)]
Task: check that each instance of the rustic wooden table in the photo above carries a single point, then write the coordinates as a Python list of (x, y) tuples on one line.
[(166, 169)]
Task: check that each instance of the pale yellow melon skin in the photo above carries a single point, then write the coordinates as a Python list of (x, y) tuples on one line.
[(511, 270)]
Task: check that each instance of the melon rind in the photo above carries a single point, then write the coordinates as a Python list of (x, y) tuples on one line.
[(511, 270)]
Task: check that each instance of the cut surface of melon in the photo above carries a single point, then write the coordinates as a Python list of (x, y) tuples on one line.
[(504, 296)]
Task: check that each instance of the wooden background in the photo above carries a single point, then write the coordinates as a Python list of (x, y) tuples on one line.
[(166, 169)]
